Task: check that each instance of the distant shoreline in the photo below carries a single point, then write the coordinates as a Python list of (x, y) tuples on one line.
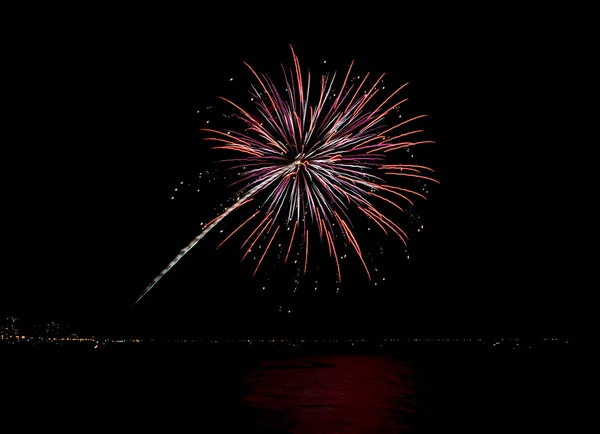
[(293, 346)]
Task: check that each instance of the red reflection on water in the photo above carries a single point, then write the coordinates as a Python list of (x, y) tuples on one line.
[(345, 394)]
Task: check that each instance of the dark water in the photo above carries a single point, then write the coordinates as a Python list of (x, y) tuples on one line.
[(333, 394), (214, 393)]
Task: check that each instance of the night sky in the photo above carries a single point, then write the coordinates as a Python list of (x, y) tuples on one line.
[(111, 113)]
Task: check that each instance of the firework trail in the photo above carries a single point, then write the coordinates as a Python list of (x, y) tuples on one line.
[(314, 162), (243, 200)]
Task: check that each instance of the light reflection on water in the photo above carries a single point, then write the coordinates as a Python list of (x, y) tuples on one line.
[(172, 391), (343, 394)]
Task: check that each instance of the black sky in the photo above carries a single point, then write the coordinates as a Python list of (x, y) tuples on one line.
[(110, 128)]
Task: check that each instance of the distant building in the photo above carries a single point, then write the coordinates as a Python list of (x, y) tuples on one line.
[(50, 329), (13, 325)]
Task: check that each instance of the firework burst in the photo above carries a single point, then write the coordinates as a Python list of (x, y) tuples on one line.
[(315, 162)]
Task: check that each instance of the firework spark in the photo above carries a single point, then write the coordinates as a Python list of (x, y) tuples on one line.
[(314, 162)]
